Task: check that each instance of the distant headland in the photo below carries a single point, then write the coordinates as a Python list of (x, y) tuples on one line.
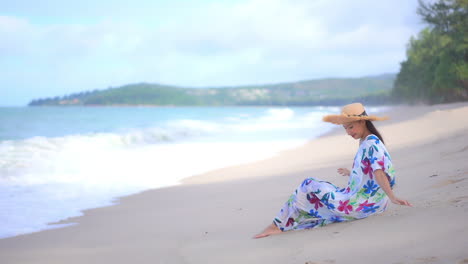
[(329, 91)]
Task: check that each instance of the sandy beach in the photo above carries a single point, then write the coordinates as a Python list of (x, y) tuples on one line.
[(211, 218)]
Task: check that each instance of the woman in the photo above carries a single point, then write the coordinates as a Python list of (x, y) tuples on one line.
[(316, 203)]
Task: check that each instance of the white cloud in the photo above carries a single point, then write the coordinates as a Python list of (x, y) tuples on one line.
[(255, 41)]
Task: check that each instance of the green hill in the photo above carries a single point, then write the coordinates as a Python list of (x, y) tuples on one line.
[(331, 91)]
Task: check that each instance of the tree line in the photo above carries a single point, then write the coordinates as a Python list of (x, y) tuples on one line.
[(436, 68)]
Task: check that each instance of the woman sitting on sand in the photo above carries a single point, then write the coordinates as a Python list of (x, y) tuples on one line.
[(316, 203)]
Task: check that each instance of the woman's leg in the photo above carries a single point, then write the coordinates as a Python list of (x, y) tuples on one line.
[(272, 229), (287, 218)]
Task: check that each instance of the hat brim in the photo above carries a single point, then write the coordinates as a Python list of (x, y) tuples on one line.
[(342, 119)]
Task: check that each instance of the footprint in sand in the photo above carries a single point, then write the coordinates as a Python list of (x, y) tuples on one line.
[(447, 182), (459, 200)]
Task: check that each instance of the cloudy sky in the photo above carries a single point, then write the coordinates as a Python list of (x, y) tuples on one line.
[(57, 47)]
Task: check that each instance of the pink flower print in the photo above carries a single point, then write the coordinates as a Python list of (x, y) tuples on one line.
[(366, 168), (364, 205), (345, 207), (381, 163), (346, 190), (313, 199)]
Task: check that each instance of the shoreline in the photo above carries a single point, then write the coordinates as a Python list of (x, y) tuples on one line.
[(397, 115), (211, 217)]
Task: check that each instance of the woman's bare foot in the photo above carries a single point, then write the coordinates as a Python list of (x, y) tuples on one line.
[(272, 229)]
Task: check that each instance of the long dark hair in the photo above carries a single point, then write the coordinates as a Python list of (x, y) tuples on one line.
[(374, 130)]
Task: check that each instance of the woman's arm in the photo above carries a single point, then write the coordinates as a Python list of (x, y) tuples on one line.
[(382, 180)]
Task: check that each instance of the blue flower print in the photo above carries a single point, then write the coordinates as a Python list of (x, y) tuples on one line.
[(309, 225), (325, 200), (370, 209), (372, 159), (370, 186), (392, 181), (305, 183), (314, 213), (336, 219), (377, 140)]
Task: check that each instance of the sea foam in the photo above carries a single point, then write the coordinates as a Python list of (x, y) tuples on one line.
[(48, 179)]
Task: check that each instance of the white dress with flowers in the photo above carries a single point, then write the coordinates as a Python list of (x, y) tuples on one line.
[(317, 203)]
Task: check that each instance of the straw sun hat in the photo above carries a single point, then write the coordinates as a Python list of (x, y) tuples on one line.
[(350, 113)]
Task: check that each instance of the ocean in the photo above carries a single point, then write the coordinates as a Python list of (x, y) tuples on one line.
[(57, 161)]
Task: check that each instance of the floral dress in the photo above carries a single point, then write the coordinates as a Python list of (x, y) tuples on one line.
[(317, 203)]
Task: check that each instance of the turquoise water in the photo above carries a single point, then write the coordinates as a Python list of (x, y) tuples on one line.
[(26, 122), (56, 162)]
